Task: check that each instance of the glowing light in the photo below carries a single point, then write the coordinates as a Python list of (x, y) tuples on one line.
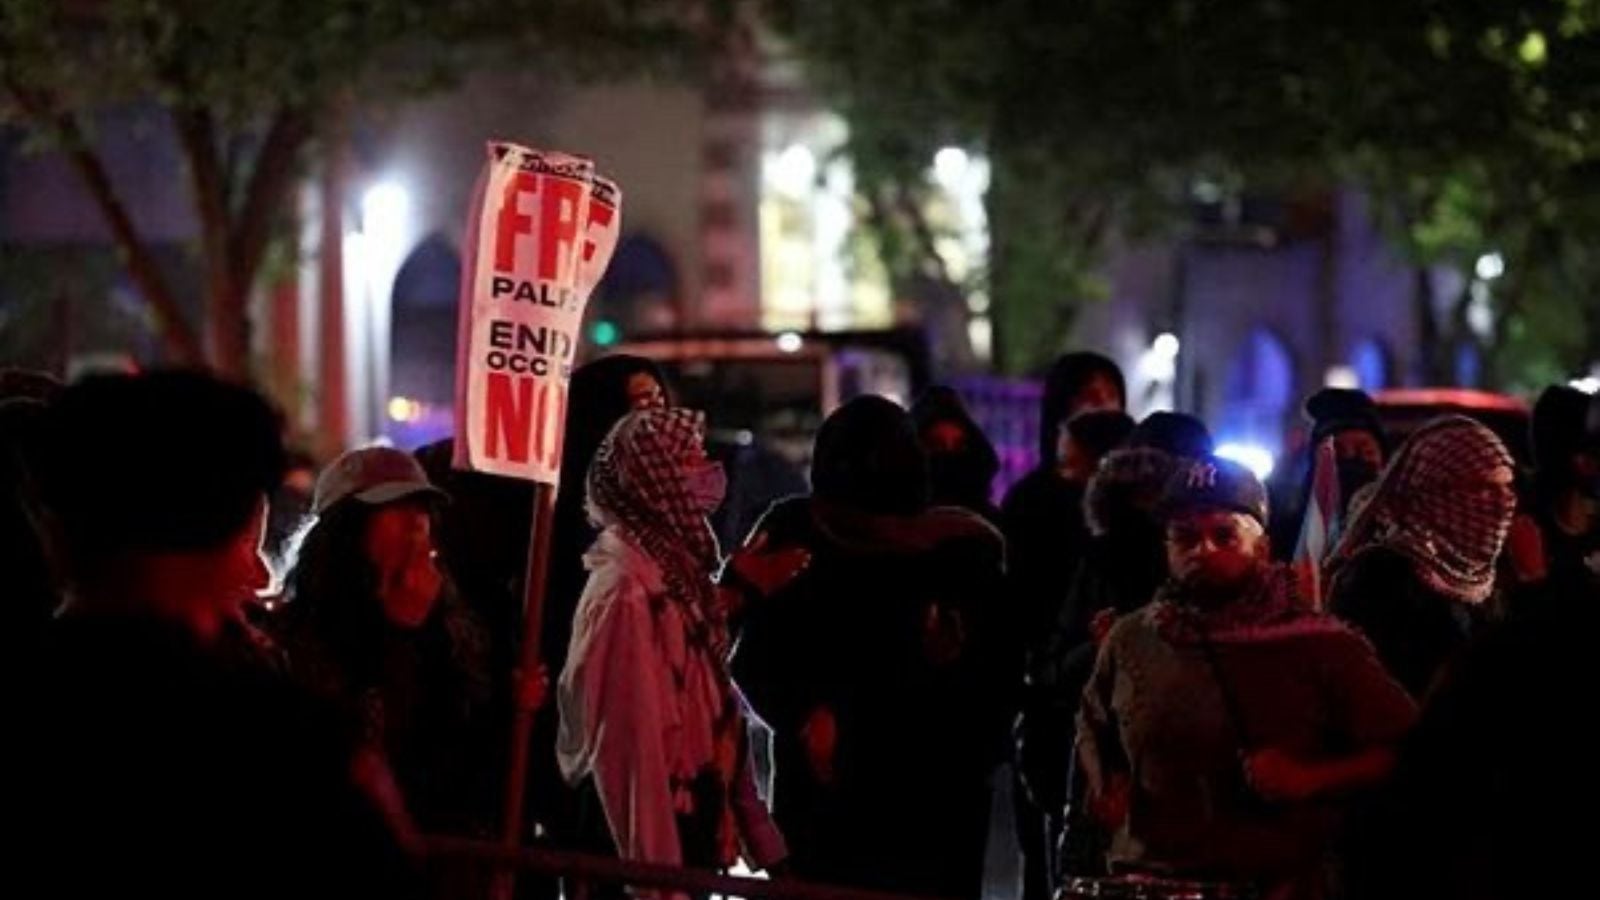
[(950, 165), (1159, 362), (1341, 377), (384, 208), (1254, 457), (980, 332), (1589, 384), (1490, 266), (605, 333), (790, 342), (794, 171), (1480, 311), (404, 409), (1533, 49)]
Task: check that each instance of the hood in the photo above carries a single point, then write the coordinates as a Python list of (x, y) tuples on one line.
[(1067, 377), (961, 460), (867, 457)]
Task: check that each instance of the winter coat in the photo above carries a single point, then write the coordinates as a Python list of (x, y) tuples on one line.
[(1174, 718), (1046, 536), (1501, 756), (899, 628), (1123, 564), (146, 764), (1415, 630)]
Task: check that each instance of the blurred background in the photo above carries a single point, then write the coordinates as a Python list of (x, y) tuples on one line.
[(1240, 202)]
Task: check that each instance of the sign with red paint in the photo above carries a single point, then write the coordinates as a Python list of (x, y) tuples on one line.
[(540, 234)]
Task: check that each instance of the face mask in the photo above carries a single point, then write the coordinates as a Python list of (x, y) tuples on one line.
[(708, 485), (1355, 474)]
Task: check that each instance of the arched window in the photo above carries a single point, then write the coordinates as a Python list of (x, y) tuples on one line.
[(422, 344), (1370, 360)]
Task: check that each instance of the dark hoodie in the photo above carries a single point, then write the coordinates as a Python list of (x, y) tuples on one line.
[(31, 592), (1566, 424), (1042, 515), (961, 460), (1499, 758), (1179, 434), (894, 628), (1126, 559), (1067, 378), (1123, 566)]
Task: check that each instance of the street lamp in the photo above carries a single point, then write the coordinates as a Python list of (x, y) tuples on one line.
[(384, 208)]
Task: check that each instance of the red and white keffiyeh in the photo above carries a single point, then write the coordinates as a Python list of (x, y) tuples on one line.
[(1440, 504)]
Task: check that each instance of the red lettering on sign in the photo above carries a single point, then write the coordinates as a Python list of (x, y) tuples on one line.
[(558, 222), (599, 215), (508, 417), (512, 222)]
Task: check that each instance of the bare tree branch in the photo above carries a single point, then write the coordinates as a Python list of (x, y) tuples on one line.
[(908, 207), (197, 134)]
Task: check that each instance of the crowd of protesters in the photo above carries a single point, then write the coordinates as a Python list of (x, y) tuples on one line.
[(236, 676)]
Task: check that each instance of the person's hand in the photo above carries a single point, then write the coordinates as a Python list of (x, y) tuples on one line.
[(531, 692), (1109, 807), (820, 736), (1279, 777), (768, 570), (1100, 626)]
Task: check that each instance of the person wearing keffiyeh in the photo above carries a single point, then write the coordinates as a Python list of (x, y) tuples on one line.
[(648, 711), (1417, 562)]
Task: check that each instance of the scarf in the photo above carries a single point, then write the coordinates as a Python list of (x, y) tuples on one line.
[(1436, 505), (1269, 607), (637, 484)]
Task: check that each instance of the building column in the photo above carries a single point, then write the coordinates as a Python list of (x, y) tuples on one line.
[(730, 189)]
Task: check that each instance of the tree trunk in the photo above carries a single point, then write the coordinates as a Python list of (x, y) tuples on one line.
[(228, 326), (332, 406)]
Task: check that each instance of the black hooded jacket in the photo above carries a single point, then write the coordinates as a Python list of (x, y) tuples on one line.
[(1042, 515), (961, 474), (896, 629), (1123, 565), (1067, 378)]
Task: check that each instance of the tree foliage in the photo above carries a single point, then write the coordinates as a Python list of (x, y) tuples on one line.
[(1473, 125), (248, 85)]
